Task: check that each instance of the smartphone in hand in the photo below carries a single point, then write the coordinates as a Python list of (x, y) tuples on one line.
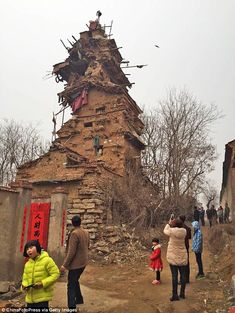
[(29, 286)]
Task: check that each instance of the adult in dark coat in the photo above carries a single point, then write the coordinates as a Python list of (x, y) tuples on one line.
[(214, 215), (209, 215), (196, 214), (202, 215), (75, 261), (188, 236), (226, 213)]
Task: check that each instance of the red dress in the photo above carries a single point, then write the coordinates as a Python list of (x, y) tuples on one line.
[(156, 260)]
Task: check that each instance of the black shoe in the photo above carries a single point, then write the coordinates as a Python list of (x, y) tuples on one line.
[(182, 296), (174, 298), (200, 276)]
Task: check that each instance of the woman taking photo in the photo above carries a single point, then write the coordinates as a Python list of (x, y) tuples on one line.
[(176, 256)]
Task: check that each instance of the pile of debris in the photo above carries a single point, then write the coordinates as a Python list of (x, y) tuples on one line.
[(119, 244), (9, 290), (223, 262)]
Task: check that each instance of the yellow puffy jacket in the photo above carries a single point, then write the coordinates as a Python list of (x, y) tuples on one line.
[(42, 269)]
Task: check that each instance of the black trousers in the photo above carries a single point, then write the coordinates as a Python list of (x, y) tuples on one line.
[(158, 275), (199, 263), (174, 273), (40, 306), (210, 222), (187, 270), (74, 294)]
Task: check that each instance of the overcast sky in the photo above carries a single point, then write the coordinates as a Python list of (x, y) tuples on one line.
[(197, 51)]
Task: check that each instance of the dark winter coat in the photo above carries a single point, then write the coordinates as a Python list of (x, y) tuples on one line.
[(188, 236), (196, 215), (209, 214)]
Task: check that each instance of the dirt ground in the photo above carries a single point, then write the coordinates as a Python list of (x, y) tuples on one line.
[(127, 288)]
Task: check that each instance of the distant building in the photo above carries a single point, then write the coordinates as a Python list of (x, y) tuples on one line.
[(227, 193)]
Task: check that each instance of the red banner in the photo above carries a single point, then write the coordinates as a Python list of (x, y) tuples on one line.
[(39, 223), (23, 230), (62, 227)]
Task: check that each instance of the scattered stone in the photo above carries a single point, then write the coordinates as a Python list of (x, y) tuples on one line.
[(212, 276), (103, 249), (231, 298), (233, 284), (10, 295), (4, 286)]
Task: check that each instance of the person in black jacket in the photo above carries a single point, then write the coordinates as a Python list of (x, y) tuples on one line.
[(209, 215), (196, 214), (202, 215), (188, 236)]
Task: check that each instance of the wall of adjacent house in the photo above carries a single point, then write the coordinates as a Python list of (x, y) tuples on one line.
[(228, 189), (12, 204)]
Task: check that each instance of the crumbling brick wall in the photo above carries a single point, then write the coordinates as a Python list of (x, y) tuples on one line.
[(101, 142)]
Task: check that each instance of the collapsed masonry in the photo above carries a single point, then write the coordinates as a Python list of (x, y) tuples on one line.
[(101, 143)]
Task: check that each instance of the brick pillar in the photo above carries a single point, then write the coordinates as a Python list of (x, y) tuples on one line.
[(24, 201), (57, 225), (8, 207)]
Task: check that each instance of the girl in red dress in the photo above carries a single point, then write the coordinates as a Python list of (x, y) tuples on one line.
[(156, 261)]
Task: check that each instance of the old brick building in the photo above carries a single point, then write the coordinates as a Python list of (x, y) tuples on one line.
[(101, 142), (228, 184)]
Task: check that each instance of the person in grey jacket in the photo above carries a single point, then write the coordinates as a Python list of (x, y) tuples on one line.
[(177, 256), (75, 261)]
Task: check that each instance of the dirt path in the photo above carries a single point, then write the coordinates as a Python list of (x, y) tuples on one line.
[(128, 289), (125, 288)]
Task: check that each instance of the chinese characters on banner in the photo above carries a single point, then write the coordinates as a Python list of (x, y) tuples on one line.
[(63, 227), (23, 230), (39, 223)]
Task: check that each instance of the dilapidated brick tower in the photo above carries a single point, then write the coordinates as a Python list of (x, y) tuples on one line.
[(101, 142)]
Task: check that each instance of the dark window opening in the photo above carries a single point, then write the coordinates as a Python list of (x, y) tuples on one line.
[(100, 110), (100, 122), (88, 124)]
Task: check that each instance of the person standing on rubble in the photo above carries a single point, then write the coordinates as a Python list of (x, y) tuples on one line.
[(226, 213), (75, 261)]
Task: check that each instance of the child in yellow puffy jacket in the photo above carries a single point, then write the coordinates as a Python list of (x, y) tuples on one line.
[(40, 273)]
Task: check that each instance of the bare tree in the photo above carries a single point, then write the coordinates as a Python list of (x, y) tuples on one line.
[(179, 152), (210, 193), (18, 144)]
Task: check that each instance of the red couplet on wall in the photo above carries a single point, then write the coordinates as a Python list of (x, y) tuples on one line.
[(63, 227), (39, 223), (23, 230)]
